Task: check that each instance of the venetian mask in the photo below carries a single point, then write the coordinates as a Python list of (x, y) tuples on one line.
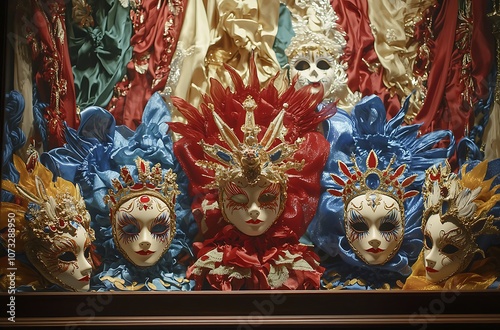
[(66, 259), (455, 215), (143, 229), (374, 227), (142, 212), (314, 67), (58, 236), (373, 208), (445, 249), (252, 208)]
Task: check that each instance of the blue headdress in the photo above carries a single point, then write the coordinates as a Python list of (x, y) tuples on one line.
[(93, 157), (366, 137)]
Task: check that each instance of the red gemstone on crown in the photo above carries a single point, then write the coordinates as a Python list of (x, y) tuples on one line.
[(144, 199)]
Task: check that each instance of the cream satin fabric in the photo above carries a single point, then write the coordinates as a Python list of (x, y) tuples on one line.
[(236, 29), (23, 83), (392, 23), (492, 134), (225, 31), (189, 58)]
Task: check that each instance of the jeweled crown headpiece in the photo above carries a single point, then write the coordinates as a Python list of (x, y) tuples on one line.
[(384, 181), (251, 158), (463, 201), (151, 181), (53, 208)]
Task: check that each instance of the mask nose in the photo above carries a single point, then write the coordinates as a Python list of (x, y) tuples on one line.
[(87, 267), (375, 243), (145, 245), (430, 263), (254, 212), (314, 72), (144, 239)]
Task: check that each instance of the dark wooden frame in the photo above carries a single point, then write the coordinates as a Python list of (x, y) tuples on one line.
[(257, 309), (244, 309)]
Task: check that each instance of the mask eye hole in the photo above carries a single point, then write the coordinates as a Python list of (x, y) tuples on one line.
[(86, 253), (449, 249), (323, 65), (387, 226), (359, 226), (302, 65), (130, 229), (67, 256), (267, 198), (240, 199), (428, 242), (159, 229)]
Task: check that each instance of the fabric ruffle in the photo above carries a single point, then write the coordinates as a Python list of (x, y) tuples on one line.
[(274, 260), (365, 129)]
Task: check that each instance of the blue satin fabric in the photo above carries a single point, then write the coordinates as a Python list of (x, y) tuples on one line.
[(13, 137), (366, 129), (92, 157)]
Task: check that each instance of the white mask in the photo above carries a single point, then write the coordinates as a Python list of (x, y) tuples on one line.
[(374, 227), (314, 68), (444, 249), (67, 260), (252, 208), (143, 229)]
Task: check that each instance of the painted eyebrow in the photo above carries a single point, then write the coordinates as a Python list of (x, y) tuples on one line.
[(234, 189), (272, 189)]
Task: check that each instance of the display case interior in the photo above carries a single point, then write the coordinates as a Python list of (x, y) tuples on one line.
[(250, 164)]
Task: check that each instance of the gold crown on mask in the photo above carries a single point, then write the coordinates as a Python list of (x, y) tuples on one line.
[(251, 158), (53, 208), (150, 182), (463, 201), (372, 179)]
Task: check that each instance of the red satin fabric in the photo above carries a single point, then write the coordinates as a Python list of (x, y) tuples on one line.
[(354, 20), (257, 254), (52, 67), (150, 38), (452, 88)]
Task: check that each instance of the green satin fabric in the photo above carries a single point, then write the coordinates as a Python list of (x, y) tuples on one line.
[(99, 53), (284, 35)]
